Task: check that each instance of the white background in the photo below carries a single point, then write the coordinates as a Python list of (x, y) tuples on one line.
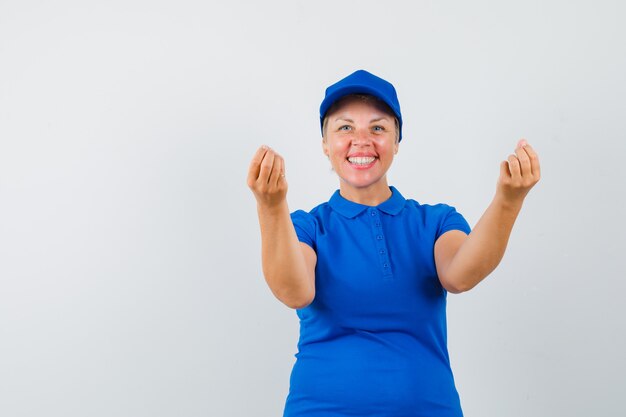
[(130, 275)]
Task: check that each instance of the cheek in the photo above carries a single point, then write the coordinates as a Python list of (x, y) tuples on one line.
[(386, 147), (338, 149)]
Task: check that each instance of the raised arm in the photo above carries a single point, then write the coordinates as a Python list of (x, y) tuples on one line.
[(288, 264), (464, 260)]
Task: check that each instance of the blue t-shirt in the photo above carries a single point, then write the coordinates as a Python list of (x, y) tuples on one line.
[(373, 341)]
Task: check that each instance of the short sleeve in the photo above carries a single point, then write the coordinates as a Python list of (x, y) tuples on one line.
[(451, 220), (305, 226)]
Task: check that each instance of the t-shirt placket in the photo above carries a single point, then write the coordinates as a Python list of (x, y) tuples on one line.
[(380, 243)]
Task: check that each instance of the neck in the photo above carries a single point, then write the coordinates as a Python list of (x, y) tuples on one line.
[(370, 196)]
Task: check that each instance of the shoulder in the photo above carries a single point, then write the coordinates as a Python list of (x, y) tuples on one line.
[(305, 226), (308, 224), (430, 210), (310, 216), (438, 217)]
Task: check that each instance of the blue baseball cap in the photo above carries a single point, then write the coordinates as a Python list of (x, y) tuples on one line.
[(362, 82)]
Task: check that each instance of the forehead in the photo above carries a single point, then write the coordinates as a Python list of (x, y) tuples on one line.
[(359, 104)]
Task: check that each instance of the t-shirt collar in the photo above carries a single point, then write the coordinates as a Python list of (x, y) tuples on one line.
[(393, 205)]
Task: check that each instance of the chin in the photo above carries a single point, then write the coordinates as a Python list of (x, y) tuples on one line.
[(355, 183)]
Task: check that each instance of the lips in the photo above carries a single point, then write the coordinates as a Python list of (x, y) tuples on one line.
[(361, 162)]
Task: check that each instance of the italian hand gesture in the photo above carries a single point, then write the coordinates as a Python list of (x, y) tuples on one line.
[(518, 174), (266, 177)]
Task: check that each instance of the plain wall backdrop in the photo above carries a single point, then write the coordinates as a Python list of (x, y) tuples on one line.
[(130, 271)]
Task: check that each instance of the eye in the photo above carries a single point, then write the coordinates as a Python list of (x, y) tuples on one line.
[(345, 127), (378, 128)]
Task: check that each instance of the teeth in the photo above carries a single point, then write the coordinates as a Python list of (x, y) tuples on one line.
[(361, 160)]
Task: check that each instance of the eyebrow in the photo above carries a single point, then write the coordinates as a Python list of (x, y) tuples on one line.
[(371, 121)]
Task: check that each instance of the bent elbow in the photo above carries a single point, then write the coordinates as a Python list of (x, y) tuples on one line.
[(454, 290), (456, 286), (298, 304)]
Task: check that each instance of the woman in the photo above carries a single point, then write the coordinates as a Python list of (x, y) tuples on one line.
[(369, 271)]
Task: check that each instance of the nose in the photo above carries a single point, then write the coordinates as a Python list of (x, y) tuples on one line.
[(361, 138)]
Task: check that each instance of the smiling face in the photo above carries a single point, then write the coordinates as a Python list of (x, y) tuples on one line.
[(360, 139)]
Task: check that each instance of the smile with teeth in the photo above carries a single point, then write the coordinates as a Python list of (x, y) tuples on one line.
[(361, 160)]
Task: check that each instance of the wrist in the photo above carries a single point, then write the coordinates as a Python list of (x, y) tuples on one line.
[(508, 203), (272, 209)]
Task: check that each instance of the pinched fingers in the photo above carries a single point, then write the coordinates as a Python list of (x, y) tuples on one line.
[(266, 179), (524, 162), (504, 170), (534, 161), (529, 162), (514, 167), (519, 173), (266, 167), (276, 170), (281, 172), (255, 165)]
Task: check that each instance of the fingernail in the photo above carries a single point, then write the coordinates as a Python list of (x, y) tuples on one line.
[(264, 147), (523, 143)]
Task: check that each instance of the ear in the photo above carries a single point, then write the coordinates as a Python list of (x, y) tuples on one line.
[(325, 147), (396, 148)]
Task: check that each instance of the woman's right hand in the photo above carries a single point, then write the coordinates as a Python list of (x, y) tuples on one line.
[(266, 178)]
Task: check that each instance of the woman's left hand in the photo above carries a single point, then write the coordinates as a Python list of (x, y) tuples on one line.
[(518, 174)]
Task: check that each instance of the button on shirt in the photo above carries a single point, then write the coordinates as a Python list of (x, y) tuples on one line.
[(373, 341)]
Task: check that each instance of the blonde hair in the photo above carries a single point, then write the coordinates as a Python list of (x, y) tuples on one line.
[(366, 98)]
